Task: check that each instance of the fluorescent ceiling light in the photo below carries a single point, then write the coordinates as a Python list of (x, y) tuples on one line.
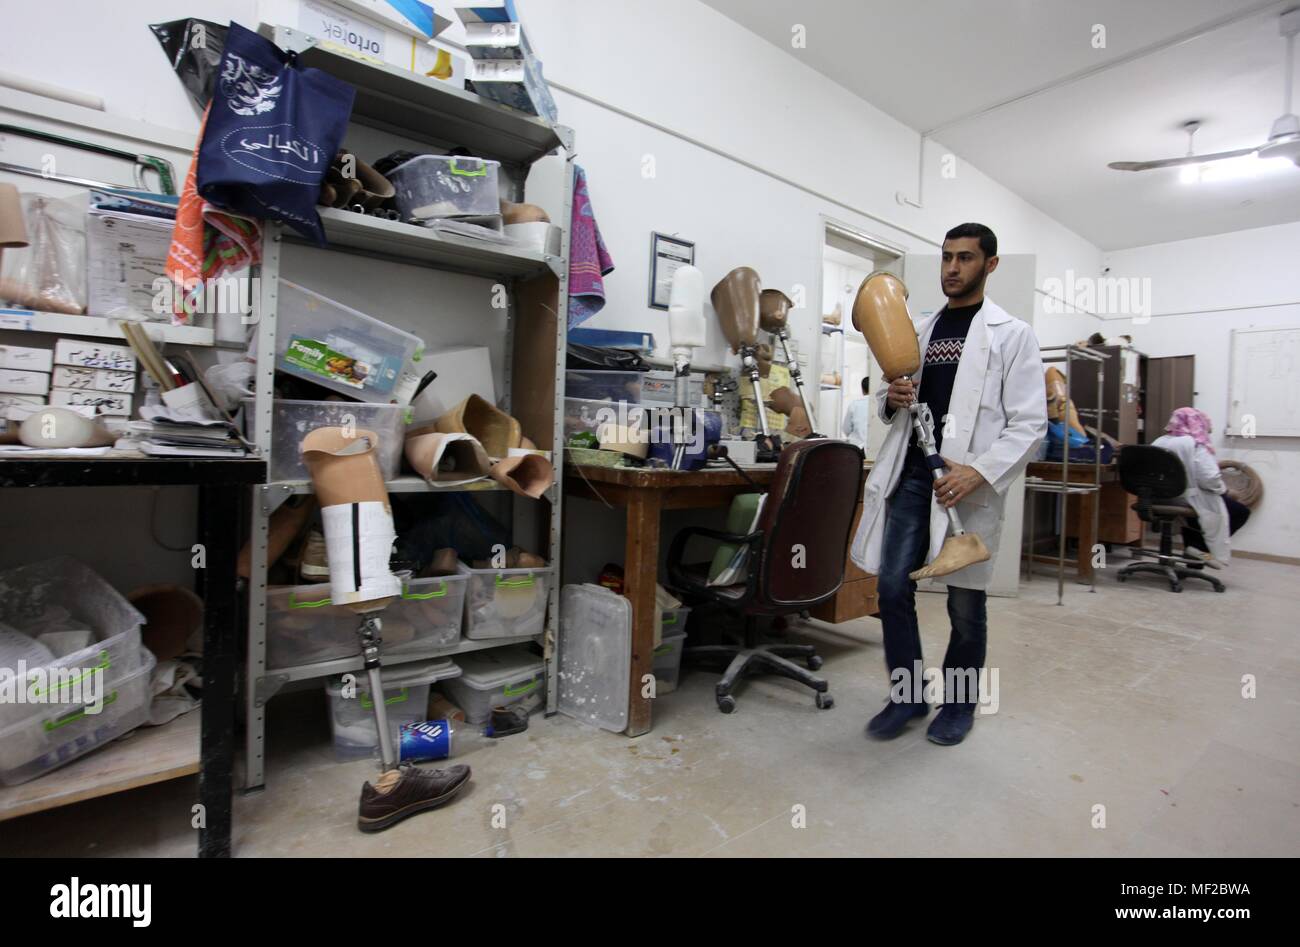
[(1232, 169)]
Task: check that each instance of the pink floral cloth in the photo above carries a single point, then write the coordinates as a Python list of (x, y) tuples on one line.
[(1191, 423)]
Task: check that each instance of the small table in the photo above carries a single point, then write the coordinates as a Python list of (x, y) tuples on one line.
[(221, 482), (1081, 473), (644, 493)]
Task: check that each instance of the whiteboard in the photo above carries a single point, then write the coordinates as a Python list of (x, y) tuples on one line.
[(1264, 383)]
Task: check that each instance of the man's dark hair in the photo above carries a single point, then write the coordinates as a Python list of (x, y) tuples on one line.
[(866, 383), (987, 238)]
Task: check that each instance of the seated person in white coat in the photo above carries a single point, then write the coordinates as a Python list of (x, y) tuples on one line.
[(982, 377), (1218, 516), (857, 417)]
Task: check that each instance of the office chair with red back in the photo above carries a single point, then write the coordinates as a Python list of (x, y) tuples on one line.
[(795, 561)]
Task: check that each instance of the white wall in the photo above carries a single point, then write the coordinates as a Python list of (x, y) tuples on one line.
[(1201, 290)]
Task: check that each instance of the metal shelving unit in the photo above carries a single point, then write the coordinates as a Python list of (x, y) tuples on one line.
[(422, 109), (1063, 487)]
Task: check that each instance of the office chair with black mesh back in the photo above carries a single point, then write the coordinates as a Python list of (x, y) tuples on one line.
[(1157, 478), (795, 561)]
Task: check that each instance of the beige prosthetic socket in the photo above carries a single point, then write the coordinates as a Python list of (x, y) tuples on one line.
[(784, 401), (774, 310), (485, 422), (450, 459), (529, 475), (1057, 400), (736, 301), (357, 519), (880, 314)]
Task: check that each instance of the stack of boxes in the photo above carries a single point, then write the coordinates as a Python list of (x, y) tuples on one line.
[(503, 66), (24, 382), (93, 374)]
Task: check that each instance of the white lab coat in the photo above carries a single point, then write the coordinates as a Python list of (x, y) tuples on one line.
[(856, 419), (1205, 489), (999, 416)]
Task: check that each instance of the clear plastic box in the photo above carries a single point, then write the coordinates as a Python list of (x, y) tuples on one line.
[(63, 594), (406, 698), (603, 385), (667, 664), (291, 421), (505, 603), (46, 736), (338, 347), (595, 656), (500, 677), (584, 415), (304, 626), (446, 186)]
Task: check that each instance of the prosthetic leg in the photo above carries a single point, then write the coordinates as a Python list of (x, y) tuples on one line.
[(686, 333), (359, 535), (880, 314), (774, 314), (736, 301)]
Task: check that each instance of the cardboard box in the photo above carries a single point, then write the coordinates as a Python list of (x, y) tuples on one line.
[(26, 359), (9, 401), (90, 354), (16, 382), (94, 379), (125, 255), (102, 401)]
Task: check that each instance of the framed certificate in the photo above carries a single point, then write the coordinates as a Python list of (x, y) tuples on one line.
[(666, 255)]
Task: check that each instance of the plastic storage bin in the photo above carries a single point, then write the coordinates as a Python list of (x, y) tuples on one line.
[(595, 656), (406, 698), (604, 386), (500, 677), (667, 665), (63, 594), (505, 603), (36, 738), (291, 421), (340, 348), (445, 186), (303, 625)]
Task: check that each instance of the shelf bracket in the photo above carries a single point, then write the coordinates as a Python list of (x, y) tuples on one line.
[(565, 134), (267, 687), (273, 496)]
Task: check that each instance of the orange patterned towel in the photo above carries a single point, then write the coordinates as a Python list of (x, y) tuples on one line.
[(207, 242)]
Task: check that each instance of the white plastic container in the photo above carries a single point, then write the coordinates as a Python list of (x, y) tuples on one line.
[(500, 677), (37, 738), (595, 656), (505, 603), (340, 348), (446, 186), (291, 421), (406, 698), (304, 626), (586, 415)]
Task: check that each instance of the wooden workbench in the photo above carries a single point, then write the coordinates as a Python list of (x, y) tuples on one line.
[(1116, 522)]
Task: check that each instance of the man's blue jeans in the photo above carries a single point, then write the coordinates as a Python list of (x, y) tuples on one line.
[(906, 541)]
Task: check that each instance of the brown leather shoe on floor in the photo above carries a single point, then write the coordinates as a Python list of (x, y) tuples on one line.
[(405, 791)]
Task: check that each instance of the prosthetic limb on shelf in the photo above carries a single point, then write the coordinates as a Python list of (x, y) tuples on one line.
[(359, 535), (736, 301), (880, 314), (774, 316)]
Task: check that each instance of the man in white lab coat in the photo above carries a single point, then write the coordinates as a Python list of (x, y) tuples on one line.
[(856, 418), (982, 376)]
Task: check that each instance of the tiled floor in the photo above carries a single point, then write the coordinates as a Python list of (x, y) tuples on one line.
[(1128, 699)]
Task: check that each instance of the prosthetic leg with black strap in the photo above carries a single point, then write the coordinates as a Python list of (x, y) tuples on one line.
[(880, 314), (359, 535), (736, 301)]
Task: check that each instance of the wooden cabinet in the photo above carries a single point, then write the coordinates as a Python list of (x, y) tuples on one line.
[(857, 596), (1170, 385)]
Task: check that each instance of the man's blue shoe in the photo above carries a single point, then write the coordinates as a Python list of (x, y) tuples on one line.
[(951, 724), (890, 722)]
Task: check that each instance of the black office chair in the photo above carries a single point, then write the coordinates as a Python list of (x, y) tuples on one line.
[(1157, 478), (796, 560)]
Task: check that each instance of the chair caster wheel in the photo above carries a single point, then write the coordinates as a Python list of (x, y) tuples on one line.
[(824, 701), (1221, 589), (726, 703), (1122, 577), (1177, 588), (814, 662)]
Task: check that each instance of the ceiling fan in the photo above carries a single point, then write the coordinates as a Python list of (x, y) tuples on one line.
[(1283, 138)]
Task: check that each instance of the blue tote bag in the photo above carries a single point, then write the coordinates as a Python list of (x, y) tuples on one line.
[(272, 131)]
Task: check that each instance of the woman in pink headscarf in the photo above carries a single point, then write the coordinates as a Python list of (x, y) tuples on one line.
[(1217, 516)]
